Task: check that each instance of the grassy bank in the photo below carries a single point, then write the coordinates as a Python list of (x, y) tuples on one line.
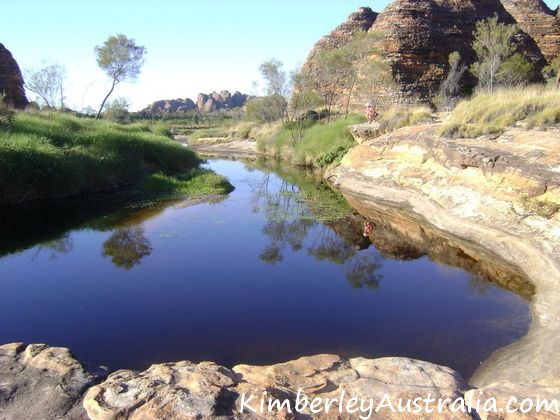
[(315, 146), (46, 155), (535, 106)]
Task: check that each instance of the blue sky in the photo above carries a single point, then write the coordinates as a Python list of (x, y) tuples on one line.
[(193, 46)]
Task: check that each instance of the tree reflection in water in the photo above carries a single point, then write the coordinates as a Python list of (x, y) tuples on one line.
[(127, 246), (313, 214), (62, 245)]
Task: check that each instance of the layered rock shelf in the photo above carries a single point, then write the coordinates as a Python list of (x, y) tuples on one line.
[(500, 192)]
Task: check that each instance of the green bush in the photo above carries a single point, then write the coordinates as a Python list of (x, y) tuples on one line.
[(311, 145), (6, 116), (334, 155)]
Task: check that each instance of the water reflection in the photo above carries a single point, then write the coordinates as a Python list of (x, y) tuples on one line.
[(279, 269), (56, 247), (397, 235), (127, 246), (310, 211), (302, 214)]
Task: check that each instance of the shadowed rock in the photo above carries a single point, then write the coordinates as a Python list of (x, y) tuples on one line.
[(11, 80)]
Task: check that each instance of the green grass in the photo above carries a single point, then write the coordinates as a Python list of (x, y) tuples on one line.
[(47, 155), (196, 183), (536, 106), (319, 145)]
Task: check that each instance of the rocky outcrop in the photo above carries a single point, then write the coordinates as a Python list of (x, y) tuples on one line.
[(419, 35), (360, 20), (416, 38), (169, 106), (185, 390), (204, 103), (537, 20), (41, 382), (11, 80)]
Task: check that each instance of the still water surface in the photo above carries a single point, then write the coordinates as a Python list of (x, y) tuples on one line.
[(279, 269)]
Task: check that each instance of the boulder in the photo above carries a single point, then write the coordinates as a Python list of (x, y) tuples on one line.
[(41, 382), (360, 20), (238, 99), (181, 390), (201, 100), (11, 80)]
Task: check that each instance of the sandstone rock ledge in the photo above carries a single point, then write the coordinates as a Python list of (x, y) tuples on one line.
[(500, 192), (41, 382)]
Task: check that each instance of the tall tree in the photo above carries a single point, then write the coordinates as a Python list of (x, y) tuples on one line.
[(121, 59), (332, 68), (277, 89), (266, 109), (498, 62), (275, 77), (375, 74), (353, 61), (304, 99), (48, 84)]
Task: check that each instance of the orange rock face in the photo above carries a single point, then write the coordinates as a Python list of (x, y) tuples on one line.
[(538, 21), (418, 36)]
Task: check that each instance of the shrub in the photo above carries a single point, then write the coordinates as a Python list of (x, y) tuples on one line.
[(333, 155), (396, 118), (312, 144), (6, 116), (117, 111)]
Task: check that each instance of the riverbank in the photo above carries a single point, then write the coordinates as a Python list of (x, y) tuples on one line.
[(49, 155), (309, 144)]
